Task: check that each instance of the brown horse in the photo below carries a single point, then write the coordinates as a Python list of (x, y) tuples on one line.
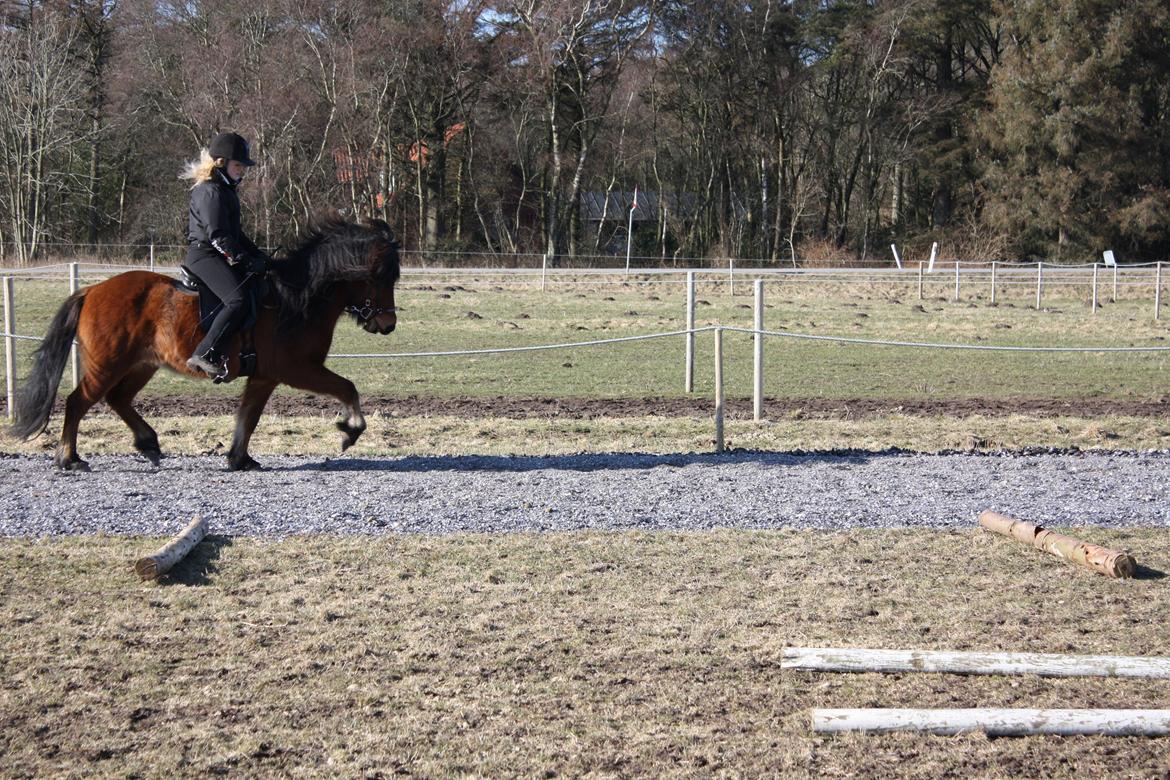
[(134, 323)]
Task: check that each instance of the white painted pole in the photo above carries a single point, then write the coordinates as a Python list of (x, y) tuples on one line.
[(862, 660), (1114, 285), (629, 238), (1093, 307), (897, 257), (1158, 291), (996, 722), (10, 345), (1039, 284), (718, 390), (919, 280), (933, 255), (758, 361), (74, 359), (543, 272), (689, 368), (152, 255), (731, 276), (993, 266), (956, 280)]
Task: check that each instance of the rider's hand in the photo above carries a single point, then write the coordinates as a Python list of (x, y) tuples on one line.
[(256, 264)]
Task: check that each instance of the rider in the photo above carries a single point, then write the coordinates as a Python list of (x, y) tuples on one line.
[(218, 252)]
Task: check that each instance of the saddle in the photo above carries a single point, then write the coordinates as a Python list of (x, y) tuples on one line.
[(209, 303)]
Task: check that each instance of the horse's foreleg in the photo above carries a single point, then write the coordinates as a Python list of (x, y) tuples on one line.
[(324, 382), (256, 394), (121, 400)]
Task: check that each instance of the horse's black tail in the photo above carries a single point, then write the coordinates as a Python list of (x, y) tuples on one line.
[(34, 400)]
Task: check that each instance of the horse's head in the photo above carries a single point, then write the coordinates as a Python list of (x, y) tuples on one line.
[(351, 264), (371, 301)]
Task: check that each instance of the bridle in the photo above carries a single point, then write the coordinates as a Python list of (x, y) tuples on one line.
[(367, 311)]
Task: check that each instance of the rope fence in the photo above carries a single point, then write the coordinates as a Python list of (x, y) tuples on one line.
[(758, 332)]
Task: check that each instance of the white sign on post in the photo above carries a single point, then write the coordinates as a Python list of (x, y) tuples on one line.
[(897, 258), (1109, 259)]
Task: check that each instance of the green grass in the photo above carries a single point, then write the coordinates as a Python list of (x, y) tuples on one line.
[(515, 315), (632, 654)]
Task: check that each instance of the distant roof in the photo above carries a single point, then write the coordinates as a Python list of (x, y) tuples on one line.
[(616, 206)]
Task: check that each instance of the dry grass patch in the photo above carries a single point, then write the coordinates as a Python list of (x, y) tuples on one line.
[(615, 654), (449, 435)]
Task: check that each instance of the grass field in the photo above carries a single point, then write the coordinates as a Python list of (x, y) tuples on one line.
[(440, 315), (551, 655)]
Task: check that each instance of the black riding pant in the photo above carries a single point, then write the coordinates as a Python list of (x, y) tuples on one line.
[(231, 285)]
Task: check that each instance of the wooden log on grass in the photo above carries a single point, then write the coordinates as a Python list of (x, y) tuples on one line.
[(862, 660), (996, 722), (154, 566), (1111, 563)]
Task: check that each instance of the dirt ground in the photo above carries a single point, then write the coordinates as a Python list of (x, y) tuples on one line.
[(528, 407), (554, 655)]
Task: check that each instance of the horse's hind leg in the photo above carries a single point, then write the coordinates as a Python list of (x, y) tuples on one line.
[(121, 400), (93, 386)]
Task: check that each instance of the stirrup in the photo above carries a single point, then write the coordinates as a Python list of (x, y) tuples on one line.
[(203, 363)]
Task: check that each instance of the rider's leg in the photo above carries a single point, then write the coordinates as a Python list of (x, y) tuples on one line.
[(230, 286)]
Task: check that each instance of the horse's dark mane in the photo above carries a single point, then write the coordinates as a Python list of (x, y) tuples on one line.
[(333, 250)]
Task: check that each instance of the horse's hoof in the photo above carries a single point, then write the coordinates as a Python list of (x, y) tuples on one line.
[(244, 464), (154, 456), (77, 464), (350, 436)]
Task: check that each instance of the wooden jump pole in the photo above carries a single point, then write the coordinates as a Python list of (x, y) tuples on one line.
[(1111, 563), (154, 566), (862, 660), (996, 722)]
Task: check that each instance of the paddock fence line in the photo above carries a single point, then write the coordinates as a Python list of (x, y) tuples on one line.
[(758, 333)]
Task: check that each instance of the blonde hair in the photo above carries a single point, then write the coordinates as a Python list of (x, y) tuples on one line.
[(201, 169)]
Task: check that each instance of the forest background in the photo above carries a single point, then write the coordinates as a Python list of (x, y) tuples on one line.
[(792, 132)]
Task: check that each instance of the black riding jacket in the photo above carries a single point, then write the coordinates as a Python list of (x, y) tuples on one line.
[(213, 225)]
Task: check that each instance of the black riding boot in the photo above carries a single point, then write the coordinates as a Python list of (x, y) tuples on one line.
[(209, 362)]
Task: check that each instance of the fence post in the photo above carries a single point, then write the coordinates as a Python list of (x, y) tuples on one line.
[(1158, 291), (758, 362), (151, 256), (544, 271), (731, 276), (992, 282), (74, 360), (718, 390), (1093, 308), (1039, 284), (956, 280), (919, 280), (689, 368), (1114, 300), (10, 345)]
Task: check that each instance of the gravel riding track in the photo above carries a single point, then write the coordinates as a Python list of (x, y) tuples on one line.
[(684, 492)]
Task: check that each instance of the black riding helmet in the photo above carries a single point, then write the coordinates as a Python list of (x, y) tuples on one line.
[(231, 146)]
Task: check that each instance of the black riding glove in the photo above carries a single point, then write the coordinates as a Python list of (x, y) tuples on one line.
[(256, 264)]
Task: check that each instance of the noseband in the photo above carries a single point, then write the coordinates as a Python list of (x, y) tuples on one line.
[(368, 310)]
